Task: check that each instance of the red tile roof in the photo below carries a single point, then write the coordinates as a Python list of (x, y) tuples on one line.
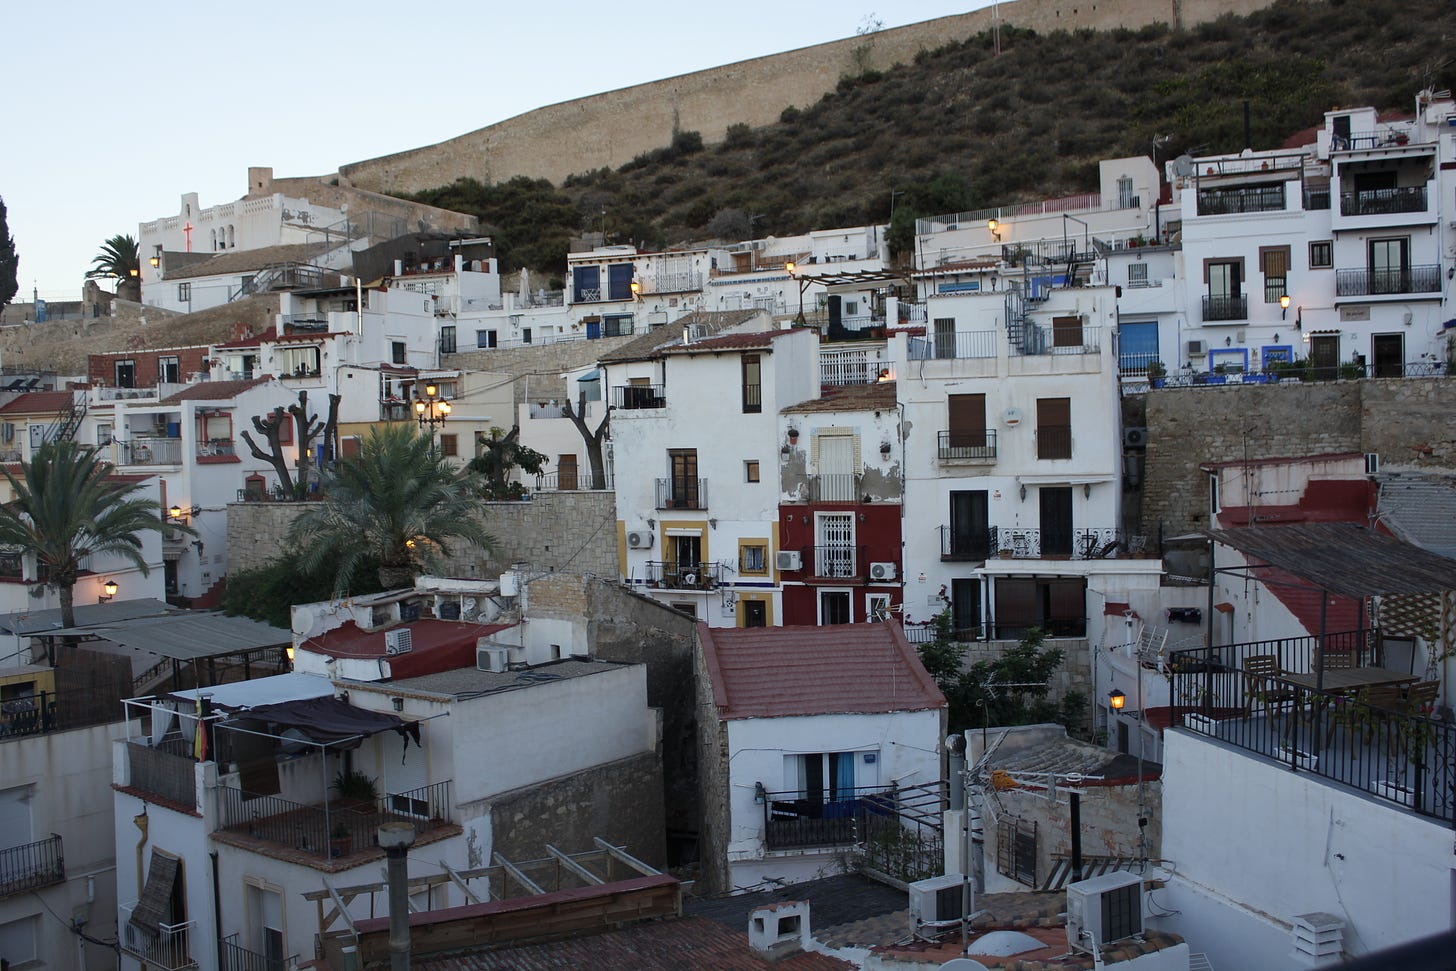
[(271, 334), (212, 390), (39, 403), (855, 397), (437, 645), (758, 340), (773, 672)]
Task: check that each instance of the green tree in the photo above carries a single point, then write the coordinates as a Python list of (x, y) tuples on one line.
[(119, 260), (397, 504), (67, 507), (9, 262), (502, 452), (267, 592)]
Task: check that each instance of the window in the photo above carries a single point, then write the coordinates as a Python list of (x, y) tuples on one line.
[(1054, 428), (298, 362), (1058, 605), (17, 941), (525, 335), (169, 370), (1274, 264), (969, 537), (103, 434), (1390, 265), (1321, 254), (945, 342), (1225, 299), (682, 607), (586, 284), (485, 338), (967, 421), (1137, 274), (1067, 331), (285, 430), (833, 607), (753, 558), (398, 353), (752, 384), (750, 470), (125, 372), (447, 339), (449, 445), (619, 281), (824, 777), (1125, 197), (755, 613), (834, 549), (683, 482), (617, 325), (877, 607), (965, 604), (184, 292)]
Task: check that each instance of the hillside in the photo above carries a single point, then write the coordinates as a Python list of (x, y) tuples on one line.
[(962, 128)]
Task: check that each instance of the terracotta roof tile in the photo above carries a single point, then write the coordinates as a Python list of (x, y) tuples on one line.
[(39, 403), (213, 390), (654, 341), (271, 334), (773, 672), (759, 340), (855, 397), (241, 261)]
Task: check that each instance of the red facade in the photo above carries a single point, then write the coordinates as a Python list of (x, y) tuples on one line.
[(145, 366), (831, 567)]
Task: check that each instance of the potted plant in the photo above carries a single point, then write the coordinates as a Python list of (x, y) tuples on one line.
[(355, 786), (1157, 374), (341, 841)]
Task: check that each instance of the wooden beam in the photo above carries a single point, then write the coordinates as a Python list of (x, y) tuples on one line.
[(408, 897), (343, 911), (516, 874), (617, 853), (464, 887), (575, 867)]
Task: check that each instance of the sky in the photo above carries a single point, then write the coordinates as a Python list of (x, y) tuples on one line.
[(108, 121)]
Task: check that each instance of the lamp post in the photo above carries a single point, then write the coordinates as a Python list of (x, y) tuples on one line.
[(792, 269), (430, 408), (1283, 306), (1116, 700)]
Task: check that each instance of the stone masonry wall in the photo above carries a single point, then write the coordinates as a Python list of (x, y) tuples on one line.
[(553, 531), (712, 742), (611, 128)]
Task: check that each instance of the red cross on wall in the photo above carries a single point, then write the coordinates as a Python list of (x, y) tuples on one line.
[(187, 229)]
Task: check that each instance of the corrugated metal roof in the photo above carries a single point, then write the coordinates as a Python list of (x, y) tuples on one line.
[(188, 634), (37, 622), (1344, 558), (1420, 508)]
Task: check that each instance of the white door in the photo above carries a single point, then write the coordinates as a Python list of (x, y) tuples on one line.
[(411, 775)]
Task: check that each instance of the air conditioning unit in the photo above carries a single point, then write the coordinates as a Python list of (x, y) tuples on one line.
[(1198, 348), (935, 904), (493, 659), (1104, 910), (639, 539), (882, 571), (398, 641), (789, 560), (1372, 463), (1134, 438)]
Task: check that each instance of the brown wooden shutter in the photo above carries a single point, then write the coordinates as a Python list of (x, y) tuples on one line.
[(967, 420)]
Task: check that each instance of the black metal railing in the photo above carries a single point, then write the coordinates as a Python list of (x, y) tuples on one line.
[(1221, 202), (834, 561), (31, 866), (834, 487), (1081, 543), (1405, 279), (1226, 307), (1053, 442), (1317, 198), (959, 544), (799, 821), (166, 769), (1388, 749), (678, 493), (336, 827), (1306, 372), (1383, 202), (1048, 252), (235, 957), (957, 445), (972, 344), (752, 398), (668, 575), (639, 397)]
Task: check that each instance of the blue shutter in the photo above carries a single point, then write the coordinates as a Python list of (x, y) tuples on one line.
[(587, 284), (1137, 344), (619, 281)]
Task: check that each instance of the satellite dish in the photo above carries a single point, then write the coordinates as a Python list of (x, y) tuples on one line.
[(1012, 417), (963, 964), (1183, 166)]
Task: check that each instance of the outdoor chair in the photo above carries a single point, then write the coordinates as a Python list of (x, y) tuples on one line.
[(1262, 686), (1420, 698), (1337, 660)]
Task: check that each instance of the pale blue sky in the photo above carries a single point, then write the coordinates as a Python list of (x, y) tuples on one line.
[(107, 121)]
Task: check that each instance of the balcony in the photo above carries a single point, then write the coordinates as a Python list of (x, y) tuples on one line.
[(167, 770), (145, 450), (966, 446), (1085, 543), (975, 344), (639, 397), (682, 493), (665, 575), (794, 822), (1223, 202), (681, 282), (838, 369), (235, 957), (960, 545), (32, 866), (395, 410), (217, 450), (1374, 741), (1226, 307), (168, 950), (834, 562), (834, 487), (332, 829), (1383, 202), (1401, 280)]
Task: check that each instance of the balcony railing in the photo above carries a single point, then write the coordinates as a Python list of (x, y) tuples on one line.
[(335, 828), (796, 821), (974, 344), (959, 544), (149, 451), (31, 866), (1383, 202), (168, 950), (837, 562), (166, 769), (1221, 202), (217, 448), (639, 397), (665, 575), (235, 957), (960, 446), (1317, 198), (1391, 749), (1226, 307), (1082, 543), (839, 369), (681, 282), (1406, 279), (834, 487), (1053, 442), (752, 398), (682, 493)]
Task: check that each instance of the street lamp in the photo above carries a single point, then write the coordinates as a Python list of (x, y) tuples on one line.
[(993, 226), (1117, 699), (430, 408), (109, 589), (1283, 306), (792, 269)]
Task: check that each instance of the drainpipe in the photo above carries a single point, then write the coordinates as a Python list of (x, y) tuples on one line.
[(141, 822), (217, 911)]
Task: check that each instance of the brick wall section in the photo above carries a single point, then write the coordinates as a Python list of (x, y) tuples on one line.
[(621, 802), (101, 368), (1406, 421), (554, 531), (611, 128), (537, 367)]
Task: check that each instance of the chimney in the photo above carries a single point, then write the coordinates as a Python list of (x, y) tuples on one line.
[(779, 930)]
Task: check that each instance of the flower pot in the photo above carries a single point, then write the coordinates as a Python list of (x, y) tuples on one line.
[(1393, 791), (1298, 757)]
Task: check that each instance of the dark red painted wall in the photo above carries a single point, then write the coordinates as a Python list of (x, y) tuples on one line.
[(876, 533)]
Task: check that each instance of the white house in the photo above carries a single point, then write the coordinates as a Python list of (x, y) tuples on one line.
[(797, 727)]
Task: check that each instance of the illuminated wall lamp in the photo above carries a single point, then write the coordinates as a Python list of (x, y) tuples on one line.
[(179, 513), (108, 591), (1283, 306), (994, 227), (1116, 699)]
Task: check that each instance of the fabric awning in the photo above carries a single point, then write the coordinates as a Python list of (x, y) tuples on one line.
[(326, 721)]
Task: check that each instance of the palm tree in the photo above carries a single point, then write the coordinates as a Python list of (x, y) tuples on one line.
[(67, 507), (120, 260), (397, 503)]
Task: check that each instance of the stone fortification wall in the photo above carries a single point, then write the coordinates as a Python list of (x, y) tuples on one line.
[(611, 128), (1407, 421), (553, 531)]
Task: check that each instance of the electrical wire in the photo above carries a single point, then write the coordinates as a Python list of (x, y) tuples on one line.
[(71, 926)]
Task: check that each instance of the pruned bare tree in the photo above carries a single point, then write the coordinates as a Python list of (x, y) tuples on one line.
[(306, 428), (593, 440)]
